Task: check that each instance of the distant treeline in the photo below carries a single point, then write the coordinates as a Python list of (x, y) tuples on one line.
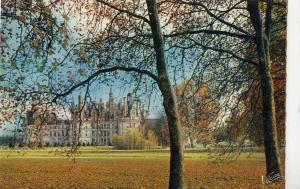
[(10, 141)]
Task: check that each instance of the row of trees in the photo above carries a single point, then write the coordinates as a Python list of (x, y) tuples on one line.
[(59, 47)]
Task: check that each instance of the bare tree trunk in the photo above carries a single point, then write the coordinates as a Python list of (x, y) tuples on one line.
[(169, 101), (269, 121), (269, 118), (191, 140)]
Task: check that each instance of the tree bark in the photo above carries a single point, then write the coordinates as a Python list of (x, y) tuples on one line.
[(269, 121), (268, 112), (192, 145), (169, 101)]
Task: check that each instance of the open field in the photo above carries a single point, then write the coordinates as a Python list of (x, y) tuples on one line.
[(108, 168)]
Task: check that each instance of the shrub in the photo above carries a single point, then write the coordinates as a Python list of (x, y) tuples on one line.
[(11, 144), (152, 139), (133, 140), (40, 145), (21, 145)]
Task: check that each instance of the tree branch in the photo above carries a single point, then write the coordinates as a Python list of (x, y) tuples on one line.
[(217, 32), (124, 11), (115, 68), (268, 18), (195, 3), (225, 51)]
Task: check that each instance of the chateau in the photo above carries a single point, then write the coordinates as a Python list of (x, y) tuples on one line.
[(91, 123)]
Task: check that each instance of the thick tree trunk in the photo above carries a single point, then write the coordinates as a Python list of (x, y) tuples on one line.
[(269, 118), (176, 160), (169, 101), (269, 122)]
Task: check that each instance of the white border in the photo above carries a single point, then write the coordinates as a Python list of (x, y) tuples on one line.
[(292, 166)]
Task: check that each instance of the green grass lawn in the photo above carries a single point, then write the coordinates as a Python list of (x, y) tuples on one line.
[(108, 152)]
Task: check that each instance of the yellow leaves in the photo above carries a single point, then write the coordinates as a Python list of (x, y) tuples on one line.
[(81, 72), (13, 63), (65, 17), (82, 53), (203, 91), (38, 31), (65, 41), (40, 86)]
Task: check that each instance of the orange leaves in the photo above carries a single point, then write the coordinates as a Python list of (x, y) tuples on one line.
[(63, 29), (34, 43), (22, 18), (203, 91)]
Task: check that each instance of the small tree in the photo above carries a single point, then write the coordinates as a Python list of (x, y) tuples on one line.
[(132, 140), (152, 138)]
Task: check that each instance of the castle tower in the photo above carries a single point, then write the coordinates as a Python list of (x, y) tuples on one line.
[(111, 105), (129, 105), (110, 101), (101, 108), (80, 102), (110, 94), (125, 107)]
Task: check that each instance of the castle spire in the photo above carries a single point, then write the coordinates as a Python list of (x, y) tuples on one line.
[(110, 93), (111, 98)]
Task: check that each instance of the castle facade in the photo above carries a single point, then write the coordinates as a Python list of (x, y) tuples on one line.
[(91, 123)]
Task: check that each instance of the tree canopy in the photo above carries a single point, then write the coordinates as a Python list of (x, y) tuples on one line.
[(50, 49)]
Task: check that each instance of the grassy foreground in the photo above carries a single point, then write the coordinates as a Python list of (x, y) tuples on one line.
[(108, 168)]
